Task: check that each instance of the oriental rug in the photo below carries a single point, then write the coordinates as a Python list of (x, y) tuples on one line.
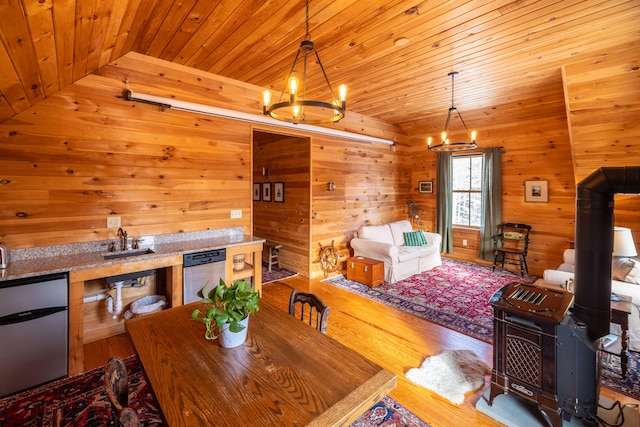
[(456, 296), (275, 274), (82, 401)]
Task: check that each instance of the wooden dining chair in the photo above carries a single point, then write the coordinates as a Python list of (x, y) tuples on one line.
[(310, 309), (510, 245), (115, 381)]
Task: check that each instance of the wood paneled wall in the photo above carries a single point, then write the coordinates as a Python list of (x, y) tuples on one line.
[(288, 160), (85, 153), (535, 146), (603, 101), (372, 184), (603, 104)]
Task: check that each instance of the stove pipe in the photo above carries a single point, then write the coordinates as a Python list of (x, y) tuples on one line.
[(594, 243)]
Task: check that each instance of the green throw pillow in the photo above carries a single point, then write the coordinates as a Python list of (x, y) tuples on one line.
[(414, 238)]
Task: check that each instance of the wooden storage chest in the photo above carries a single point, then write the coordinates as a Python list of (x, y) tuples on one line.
[(367, 271)]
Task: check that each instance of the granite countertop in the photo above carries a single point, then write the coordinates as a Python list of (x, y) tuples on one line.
[(32, 262)]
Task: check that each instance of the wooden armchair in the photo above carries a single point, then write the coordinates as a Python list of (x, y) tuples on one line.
[(510, 245), (310, 309), (115, 381)]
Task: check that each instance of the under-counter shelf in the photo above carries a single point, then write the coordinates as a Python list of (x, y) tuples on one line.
[(245, 273), (252, 268)]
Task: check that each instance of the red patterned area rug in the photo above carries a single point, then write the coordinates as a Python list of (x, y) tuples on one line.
[(454, 295), (82, 401), (78, 401)]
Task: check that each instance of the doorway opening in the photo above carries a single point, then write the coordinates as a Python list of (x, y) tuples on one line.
[(282, 196)]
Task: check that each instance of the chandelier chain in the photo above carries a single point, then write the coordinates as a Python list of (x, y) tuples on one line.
[(307, 36), (294, 107)]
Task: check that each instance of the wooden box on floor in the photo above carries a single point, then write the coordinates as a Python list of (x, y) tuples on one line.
[(367, 271)]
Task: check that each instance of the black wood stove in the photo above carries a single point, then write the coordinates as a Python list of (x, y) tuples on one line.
[(539, 351), (542, 351)]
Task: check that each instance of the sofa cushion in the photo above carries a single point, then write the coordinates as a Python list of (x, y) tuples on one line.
[(406, 253), (634, 275), (428, 249), (620, 268), (414, 238), (569, 256), (377, 233), (557, 276), (398, 228)]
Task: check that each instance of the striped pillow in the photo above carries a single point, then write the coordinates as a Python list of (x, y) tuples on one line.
[(414, 238)]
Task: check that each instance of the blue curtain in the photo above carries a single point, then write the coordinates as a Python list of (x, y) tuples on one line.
[(491, 199), (444, 215)]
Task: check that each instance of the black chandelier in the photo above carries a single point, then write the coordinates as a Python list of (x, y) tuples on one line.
[(445, 144), (299, 109)]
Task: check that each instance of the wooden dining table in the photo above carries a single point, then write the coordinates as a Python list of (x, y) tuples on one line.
[(286, 373)]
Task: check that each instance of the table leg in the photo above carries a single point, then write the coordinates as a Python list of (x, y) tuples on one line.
[(624, 358)]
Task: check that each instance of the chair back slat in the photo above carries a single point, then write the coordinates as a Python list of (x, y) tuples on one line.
[(511, 244), (311, 309)]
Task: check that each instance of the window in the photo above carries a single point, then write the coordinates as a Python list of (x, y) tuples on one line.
[(467, 190)]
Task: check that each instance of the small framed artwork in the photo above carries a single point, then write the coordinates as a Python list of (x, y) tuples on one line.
[(425, 187), (536, 191), (256, 191), (278, 192), (266, 191)]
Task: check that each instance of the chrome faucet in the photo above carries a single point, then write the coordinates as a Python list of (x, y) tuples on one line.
[(123, 239)]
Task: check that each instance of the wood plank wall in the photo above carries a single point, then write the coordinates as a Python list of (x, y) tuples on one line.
[(372, 184), (288, 160), (535, 146), (85, 154), (603, 103)]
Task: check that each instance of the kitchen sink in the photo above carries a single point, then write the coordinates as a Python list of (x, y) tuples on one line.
[(128, 253)]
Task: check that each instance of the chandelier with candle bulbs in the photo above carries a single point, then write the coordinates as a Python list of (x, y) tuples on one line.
[(295, 107), (445, 144)]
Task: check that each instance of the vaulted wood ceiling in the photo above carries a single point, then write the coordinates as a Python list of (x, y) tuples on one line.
[(506, 51)]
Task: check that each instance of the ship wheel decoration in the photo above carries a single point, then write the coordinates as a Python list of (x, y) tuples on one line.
[(328, 258)]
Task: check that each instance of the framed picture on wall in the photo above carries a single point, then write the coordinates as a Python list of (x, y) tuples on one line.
[(536, 191), (425, 187), (256, 191), (278, 192), (266, 191)]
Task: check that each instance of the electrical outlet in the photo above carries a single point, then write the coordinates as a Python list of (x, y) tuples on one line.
[(113, 222), (236, 213), (464, 242)]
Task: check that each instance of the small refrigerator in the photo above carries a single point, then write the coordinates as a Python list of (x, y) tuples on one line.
[(34, 331)]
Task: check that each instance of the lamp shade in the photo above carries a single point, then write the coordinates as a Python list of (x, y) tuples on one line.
[(623, 244)]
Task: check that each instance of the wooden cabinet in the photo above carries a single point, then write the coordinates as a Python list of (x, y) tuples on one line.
[(364, 270)]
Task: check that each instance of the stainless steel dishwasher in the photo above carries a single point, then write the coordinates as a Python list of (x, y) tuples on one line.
[(34, 331), (201, 268)]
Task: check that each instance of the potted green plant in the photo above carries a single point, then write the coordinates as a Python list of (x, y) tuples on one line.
[(227, 313)]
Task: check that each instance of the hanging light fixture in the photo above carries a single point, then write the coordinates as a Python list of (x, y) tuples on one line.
[(445, 144), (299, 109)]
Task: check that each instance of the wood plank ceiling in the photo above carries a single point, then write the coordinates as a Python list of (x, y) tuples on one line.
[(504, 50)]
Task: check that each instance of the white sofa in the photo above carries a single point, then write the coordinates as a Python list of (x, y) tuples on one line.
[(625, 281), (386, 243)]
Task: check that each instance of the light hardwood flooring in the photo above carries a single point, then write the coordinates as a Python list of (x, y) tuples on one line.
[(392, 338)]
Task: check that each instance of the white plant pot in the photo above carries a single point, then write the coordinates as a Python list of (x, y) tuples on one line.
[(230, 339)]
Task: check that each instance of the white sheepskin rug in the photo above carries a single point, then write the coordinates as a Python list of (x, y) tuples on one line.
[(451, 374)]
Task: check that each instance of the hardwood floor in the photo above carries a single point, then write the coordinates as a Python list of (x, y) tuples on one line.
[(392, 338)]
